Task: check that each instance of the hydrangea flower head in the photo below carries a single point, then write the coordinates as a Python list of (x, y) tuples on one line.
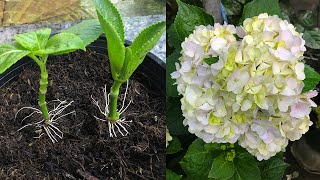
[(253, 92)]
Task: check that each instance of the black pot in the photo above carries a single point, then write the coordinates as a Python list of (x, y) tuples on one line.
[(152, 67)]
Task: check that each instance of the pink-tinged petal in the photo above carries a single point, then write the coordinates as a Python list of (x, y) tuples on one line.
[(299, 110), (312, 94), (285, 35), (283, 54)]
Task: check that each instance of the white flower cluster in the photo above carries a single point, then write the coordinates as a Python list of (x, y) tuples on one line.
[(252, 93)]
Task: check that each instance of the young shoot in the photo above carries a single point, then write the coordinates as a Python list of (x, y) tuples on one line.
[(123, 61), (38, 45)]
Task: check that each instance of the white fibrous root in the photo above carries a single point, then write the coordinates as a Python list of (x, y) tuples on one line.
[(119, 125), (50, 127), (251, 92)]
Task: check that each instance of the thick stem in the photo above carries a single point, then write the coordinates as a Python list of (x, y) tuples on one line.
[(114, 93), (42, 93)]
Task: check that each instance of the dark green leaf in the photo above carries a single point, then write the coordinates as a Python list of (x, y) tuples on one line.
[(10, 54), (62, 43), (197, 162), (171, 88), (35, 40), (175, 118), (246, 167), (312, 38), (311, 80), (142, 44), (222, 169), (170, 175), (174, 146), (111, 24), (188, 17), (87, 30), (211, 60), (257, 7), (307, 19), (173, 39), (272, 169)]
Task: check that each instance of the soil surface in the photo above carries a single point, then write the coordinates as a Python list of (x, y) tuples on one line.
[(86, 150)]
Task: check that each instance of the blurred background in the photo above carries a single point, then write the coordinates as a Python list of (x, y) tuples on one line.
[(17, 16)]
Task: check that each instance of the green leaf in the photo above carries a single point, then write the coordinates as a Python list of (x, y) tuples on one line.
[(10, 54), (174, 146), (35, 40), (175, 118), (62, 43), (111, 24), (173, 38), (170, 175), (87, 30), (257, 7), (312, 38), (211, 60), (222, 169), (197, 162), (273, 169), (142, 44), (311, 80), (111, 15), (246, 167), (188, 17), (171, 88)]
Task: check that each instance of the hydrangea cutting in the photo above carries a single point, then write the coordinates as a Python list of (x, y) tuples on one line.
[(245, 84)]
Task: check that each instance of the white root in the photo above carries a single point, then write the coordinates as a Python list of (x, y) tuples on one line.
[(50, 127), (118, 126)]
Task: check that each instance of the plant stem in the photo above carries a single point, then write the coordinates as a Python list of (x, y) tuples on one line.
[(114, 92), (43, 86), (42, 93)]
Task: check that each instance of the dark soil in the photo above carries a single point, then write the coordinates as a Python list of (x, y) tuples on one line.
[(86, 151)]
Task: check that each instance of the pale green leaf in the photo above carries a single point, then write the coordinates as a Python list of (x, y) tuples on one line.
[(111, 15), (62, 43), (312, 38), (142, 44), (221, 168), (256, 7), (311, 80), (188, 17), (112, 27), (87, 30), (35, 40), (10, 54)]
